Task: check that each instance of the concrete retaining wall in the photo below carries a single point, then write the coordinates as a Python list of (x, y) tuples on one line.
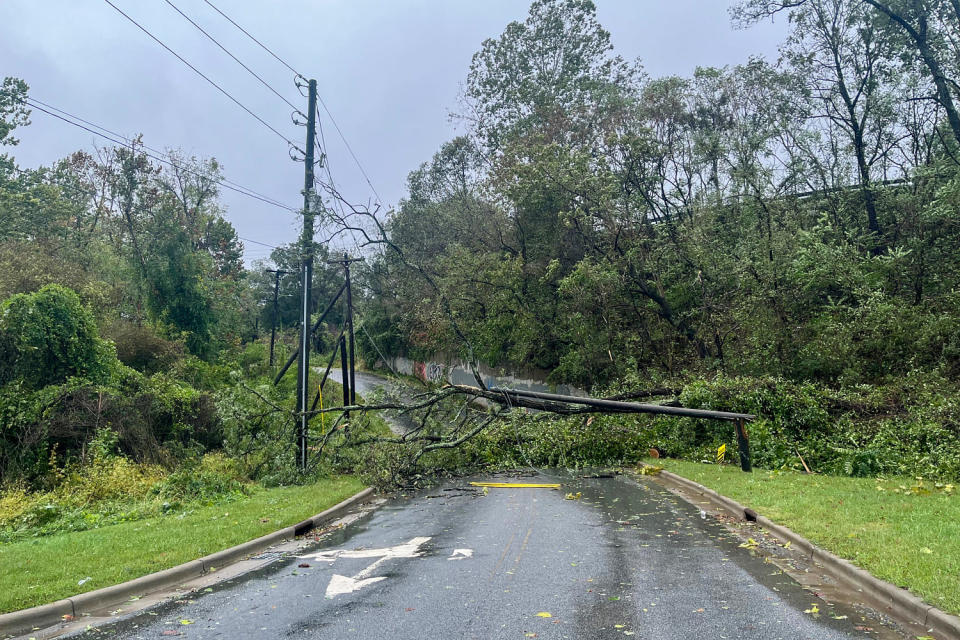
[(456, 371)]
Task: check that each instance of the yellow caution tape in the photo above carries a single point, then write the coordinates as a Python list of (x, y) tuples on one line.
[(514, 485)]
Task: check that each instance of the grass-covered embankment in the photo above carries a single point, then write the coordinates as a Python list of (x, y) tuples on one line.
[(43, 569), (903, 530)]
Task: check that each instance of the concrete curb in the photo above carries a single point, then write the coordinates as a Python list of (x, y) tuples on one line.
[(887, 597), (46, 615)]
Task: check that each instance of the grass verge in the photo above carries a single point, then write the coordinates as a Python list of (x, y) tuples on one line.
[(49, 568), (902, 530)]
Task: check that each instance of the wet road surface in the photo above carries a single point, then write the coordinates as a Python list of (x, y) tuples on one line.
[(368, 383), (626, 559)]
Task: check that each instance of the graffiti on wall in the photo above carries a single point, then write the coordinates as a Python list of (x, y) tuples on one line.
[(434, 372), (428, 371)]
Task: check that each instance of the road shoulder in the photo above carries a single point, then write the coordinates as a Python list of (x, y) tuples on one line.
[(886, 598), (94, 607)]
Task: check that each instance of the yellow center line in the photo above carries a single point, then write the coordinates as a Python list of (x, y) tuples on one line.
[(514, 485)]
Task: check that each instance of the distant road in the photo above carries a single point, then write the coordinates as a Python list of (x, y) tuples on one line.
[(368, 382)]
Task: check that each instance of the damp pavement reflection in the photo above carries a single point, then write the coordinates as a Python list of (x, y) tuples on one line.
[(603, 557)]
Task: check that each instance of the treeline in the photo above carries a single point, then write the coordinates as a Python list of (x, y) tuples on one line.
[(128, 321), (793, 218)]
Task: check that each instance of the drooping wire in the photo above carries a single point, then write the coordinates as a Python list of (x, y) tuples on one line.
[(363, 326), (247, 33), (202, 75), (91, 193), (326, 161), (123, 141), (350, 149), (128, 140), (333, 120), (235, 59), (263, 244)]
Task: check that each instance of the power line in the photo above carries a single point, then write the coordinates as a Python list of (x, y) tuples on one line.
[(125, 142), (326, 163), (201, 74), (263, 46), (237, 60), (122, 141), (264, 244), (350, 149), (129, 140), (77, 190), (319, 98)]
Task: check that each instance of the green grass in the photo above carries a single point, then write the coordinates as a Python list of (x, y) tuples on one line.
[(902, 533), (48, 568)]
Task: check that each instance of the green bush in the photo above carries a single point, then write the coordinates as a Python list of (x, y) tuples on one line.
[(142, 349), (208, 480), (909, 428), (47, 337)]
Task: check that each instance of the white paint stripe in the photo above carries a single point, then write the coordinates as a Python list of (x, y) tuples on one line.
[(460, 554)]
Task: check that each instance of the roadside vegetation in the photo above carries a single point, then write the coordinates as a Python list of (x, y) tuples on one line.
[(136, 397), (778, 238), (900, 529), (42, 569)]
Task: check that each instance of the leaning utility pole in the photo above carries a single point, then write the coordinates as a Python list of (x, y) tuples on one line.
[(273, 321), (306, 279), (345, 262)]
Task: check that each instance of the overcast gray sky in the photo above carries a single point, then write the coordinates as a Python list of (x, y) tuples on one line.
[(389, 70)]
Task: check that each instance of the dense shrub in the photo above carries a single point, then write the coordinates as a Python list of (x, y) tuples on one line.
[(47, 337), (909, 428), (155, 419), (142, 349)]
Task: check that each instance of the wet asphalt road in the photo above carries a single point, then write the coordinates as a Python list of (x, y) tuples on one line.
[(369, 382), (627, 559)]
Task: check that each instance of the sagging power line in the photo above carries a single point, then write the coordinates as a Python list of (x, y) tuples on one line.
[(333, 120), (204, 76), (159, 156), (235, 58)]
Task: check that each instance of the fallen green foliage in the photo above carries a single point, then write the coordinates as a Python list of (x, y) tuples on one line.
[(903, 530), (908, 428), (44, 569)]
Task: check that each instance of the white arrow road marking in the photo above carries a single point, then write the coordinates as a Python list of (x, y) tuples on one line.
[(342, 584), (406, 550), (460, 554)]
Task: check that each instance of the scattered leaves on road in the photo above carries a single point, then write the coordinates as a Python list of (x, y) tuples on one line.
[(544, 614)]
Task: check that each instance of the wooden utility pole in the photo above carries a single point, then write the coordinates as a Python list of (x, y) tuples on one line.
[(273, 321), (345, 262), (306, 279)]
